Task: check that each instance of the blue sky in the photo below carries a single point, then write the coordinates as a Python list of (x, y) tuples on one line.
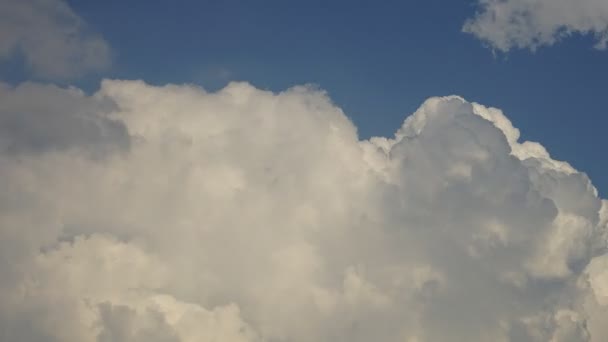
[(378, 61)]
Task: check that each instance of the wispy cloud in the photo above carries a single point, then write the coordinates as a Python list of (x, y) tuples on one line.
[(508, 24), (53, 41)]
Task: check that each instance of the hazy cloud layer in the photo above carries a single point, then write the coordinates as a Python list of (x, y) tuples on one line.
[(40, 117), (507, 24), (53, 41), (245, 215)]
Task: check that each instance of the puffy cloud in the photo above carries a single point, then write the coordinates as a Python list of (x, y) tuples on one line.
[(52, 39), (245, 215), (507, 24)]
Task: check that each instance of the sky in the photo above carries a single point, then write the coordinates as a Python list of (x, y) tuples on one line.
[(377, 61), (274, 171)]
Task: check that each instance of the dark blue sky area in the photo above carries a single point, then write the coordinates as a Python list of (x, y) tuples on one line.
[(377, 60)]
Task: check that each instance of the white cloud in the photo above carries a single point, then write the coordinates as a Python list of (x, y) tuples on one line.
[(53, 41), (508, 24), (245, 215)]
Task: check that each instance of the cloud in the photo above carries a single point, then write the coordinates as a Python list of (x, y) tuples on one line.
[(521, 24), (245, 215), (53, 41), (37, 118)]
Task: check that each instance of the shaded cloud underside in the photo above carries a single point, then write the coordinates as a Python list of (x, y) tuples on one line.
[(145, 213)]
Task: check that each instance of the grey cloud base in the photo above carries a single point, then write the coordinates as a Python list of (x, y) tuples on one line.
[(245, 215)]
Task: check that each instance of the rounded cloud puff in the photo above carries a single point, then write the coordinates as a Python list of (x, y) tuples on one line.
[(246, 215)]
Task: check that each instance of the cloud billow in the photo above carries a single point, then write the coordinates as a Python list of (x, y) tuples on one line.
[(245, 215)]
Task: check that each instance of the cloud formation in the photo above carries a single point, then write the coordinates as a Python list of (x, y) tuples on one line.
[(521, 24), (53, 41), (40, 117), (246, 215)]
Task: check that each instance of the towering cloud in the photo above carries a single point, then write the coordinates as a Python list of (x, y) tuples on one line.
[(507, 24), (245, 215), (53, 41)]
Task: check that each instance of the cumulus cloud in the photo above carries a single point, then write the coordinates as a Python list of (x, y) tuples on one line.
[(245, 215), (53, 41), (508, 24)]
